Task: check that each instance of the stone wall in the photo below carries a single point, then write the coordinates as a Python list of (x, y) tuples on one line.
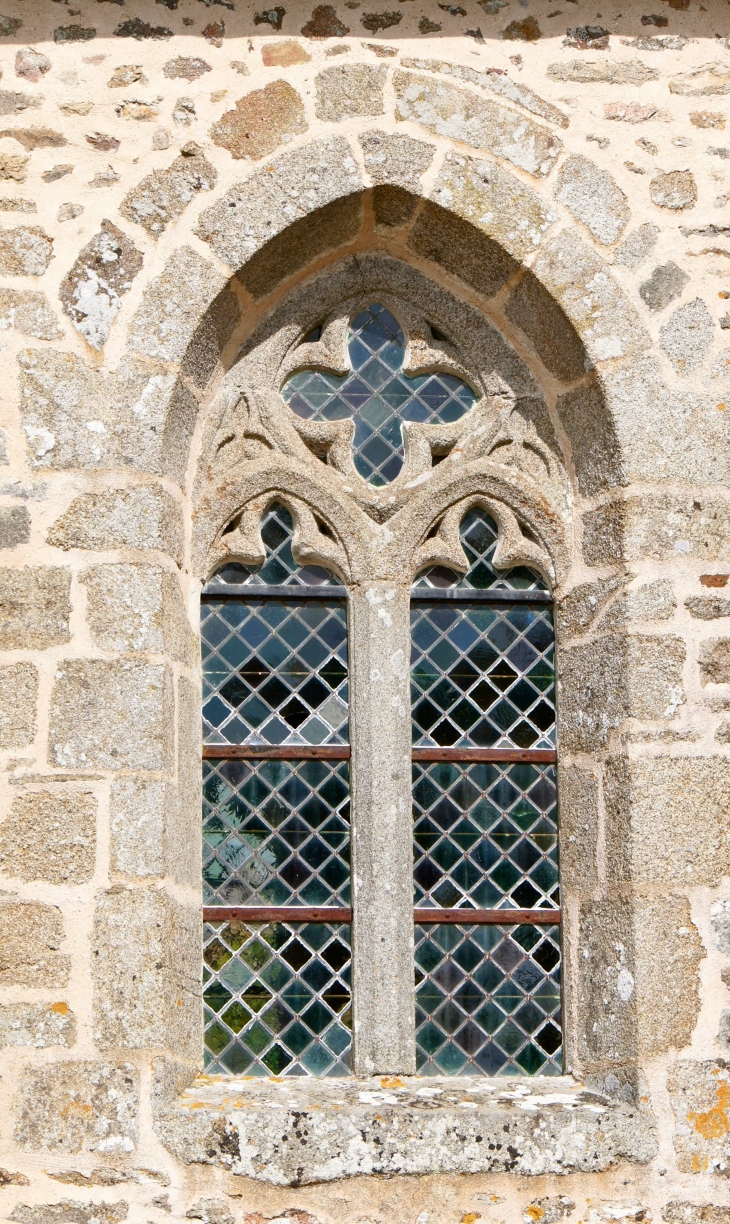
[(185, 184)]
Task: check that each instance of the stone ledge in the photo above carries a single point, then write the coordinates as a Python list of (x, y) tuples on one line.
[(297, 1132)]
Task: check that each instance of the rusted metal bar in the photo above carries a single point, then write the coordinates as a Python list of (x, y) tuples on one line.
[(500, 917), (274, 913), (535, 756), (266, 752)]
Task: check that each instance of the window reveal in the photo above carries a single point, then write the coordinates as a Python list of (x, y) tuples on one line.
[(485, 821), (276, 833)]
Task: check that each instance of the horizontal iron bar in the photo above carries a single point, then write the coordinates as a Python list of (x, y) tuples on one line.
[(535, 756), (501, 917), (269, 752), (274, 913), (466, 595), (273, 592)]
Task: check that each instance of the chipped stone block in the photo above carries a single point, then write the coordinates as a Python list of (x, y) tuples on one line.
[(549, 1210), (127, 74), (69, 212), (136, 28), (295, 184), (666, 819), (50, 835), (592, 196), (18, 698), (28, 312), (261, 121), (12, 1179), (215, 1211), (14, 103), (461, 249), (678, 1212), (707, 607), (675, 190), (36, 138), (14, 526), (653, 601), (69, 1211), (25, 251), (392, 206), (13, 166), (91, 292), (586, 417), (75, 416), (146, 971), (31, 64), (302, 242), (612, 72), (687, 336), (162, 196), (34, 607), (173, 306), (78, 1107), (656, 526), (396, 159), (663, 286), (103, 1175), (37, 1024), (345, 90), (599, 692), (30, 936), (637, 246), (496, 82), (699, 1092), (143, 518), (495, 202), (138, 607), (715, 661), (450, 111), (138, 811), (555, 340), (577, 611), (111, 715), (611, 1210), (704, 81)]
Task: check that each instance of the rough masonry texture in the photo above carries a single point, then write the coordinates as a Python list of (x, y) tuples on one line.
[(196, 196)]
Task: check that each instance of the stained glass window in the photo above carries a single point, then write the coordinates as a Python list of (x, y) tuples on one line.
[(276, 816), (485, 817), (377, 395)]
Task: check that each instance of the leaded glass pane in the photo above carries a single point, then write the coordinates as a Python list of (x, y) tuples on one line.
[(277, 998), (276, 833), (478, 533), (488, 1000), (485, 835), (279, 568), (377, 395), (482, 676)]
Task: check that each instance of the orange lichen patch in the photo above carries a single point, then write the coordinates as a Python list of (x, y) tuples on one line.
[(471, 1216), (714, 1123), (391, 1081), (535, 1213), (699, 1163), (76, 1107), (61, 1008)]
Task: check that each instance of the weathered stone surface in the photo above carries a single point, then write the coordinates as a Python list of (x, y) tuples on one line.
[(550, 1210), (136, 28), (91, 292), (635, 1003), (261, 121), (687, 336), (707, 607), (74, 416), (349, 89), (588, 421), (28, 312), (666, 819), (604, 319), (12, 1179), (301, 242), (189, 68), (720, 919), (653, 601), (656, 526), (678, 1212), (111, 715), (579, 817), (138, 607), (715, 661), (30, 936), (31, 64), (37, 138), (663, 286), (460, 115), (13, 167), (613, 678), (592, 196), (215, 1211), (554, 339), (103, 1175), (494, 202), (495, 82), (174, 304), (138, 810), (283, 54), (324, 23), (125, 518), (706, 80), (78, 1107), (162, 196), (294, 185), (392, 206), (14, 103), (589, 72), (396, 159), (675, 190), (127, 74), (700, 1097), (37, 1024), (70, 1211), (139, 109), (14, 526), (18, 697), (51, 836), (34, 607), (637, 246), (461, 249), (405, 1133), (146, 960), (577, 611), (25, 251)]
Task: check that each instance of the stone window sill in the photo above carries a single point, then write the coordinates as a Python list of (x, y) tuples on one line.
[(295, 1132)]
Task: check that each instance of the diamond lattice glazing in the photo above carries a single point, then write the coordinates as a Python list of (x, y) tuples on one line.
[(279, 568), (276, 833), (488, 1000), (485, 835), (277, 998), (478, 534), (377, 395)]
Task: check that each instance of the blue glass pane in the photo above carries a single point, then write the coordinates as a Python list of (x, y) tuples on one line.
[(478, 534), (279, 568)]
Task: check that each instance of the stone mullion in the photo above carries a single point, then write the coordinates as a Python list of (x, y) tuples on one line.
[(382, 855)]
